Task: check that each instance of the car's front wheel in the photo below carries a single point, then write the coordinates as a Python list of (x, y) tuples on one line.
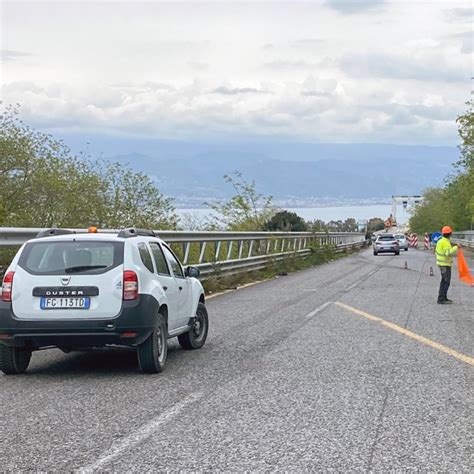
[(14, 360), (197, 335), (153, 352)]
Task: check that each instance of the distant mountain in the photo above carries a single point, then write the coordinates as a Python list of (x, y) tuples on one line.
[(367, 177), (186, 170)]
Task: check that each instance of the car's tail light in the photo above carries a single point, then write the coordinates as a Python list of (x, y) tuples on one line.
[(7, 286), (130, 285)]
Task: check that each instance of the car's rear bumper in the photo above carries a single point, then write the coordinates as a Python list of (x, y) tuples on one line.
[(133, 325), (387, 250)]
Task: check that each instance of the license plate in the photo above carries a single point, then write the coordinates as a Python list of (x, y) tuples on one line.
[(65, 303)]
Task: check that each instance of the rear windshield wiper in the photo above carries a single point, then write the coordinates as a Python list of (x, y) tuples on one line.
[(81, 268)]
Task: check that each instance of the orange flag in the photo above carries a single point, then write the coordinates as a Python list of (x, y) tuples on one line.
[(464, 273)]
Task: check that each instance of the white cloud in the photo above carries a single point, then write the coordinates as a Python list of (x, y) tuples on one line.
[(416, 65), (305, 70), (354, 6), (460, 14), (9, 55), (238, 90), (464, 40)]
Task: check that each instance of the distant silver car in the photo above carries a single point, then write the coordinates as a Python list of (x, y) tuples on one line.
[(386, 243), (402, 241)]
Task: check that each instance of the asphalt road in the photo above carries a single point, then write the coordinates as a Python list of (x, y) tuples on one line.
[(289, 380)]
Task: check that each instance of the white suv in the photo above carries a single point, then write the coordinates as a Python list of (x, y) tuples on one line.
[(82, 290)]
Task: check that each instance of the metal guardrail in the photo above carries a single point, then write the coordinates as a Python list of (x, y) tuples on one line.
[(465, 238), (225, 253)]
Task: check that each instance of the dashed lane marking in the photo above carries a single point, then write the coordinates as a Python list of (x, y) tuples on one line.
[(230, 290), (140, 435), (353, 285), (319, 309), (395, 327)]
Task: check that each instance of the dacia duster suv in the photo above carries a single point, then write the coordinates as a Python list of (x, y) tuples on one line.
[(84, 290)]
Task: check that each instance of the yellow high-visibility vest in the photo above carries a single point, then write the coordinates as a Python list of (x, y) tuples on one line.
[(444, 252)]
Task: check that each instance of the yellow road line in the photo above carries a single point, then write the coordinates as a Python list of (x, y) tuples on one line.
[(395, 327)]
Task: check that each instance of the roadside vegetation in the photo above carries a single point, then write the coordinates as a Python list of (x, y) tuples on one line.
[(43, 185), (452, 204)]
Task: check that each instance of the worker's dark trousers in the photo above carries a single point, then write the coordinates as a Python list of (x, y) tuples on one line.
[(445, 282)]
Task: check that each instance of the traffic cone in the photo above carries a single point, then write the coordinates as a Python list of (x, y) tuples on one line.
[(406, 265), (431, 272)]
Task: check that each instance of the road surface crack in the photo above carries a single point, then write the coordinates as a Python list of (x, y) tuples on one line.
[(377, 431)]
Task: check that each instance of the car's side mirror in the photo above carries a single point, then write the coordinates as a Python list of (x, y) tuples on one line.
[(192, 272)]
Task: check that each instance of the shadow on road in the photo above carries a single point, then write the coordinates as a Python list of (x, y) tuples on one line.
[(104, 362)]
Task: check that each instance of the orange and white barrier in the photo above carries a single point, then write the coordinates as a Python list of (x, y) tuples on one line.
[(426, 243)]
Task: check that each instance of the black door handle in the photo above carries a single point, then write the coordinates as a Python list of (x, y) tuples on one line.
[(165, 288), (180, 288)]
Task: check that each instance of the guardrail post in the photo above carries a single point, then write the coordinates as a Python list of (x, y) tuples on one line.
[(203, 249), (218, 250), (241, 248), (250, 248), (229, 249), (186, 245)]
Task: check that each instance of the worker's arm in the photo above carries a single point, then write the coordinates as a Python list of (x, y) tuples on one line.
[(445, 248), (452, 250)]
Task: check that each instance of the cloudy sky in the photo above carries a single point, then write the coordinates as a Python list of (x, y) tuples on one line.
[(328, 71)]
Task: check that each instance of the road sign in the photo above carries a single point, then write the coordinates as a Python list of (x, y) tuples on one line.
[(435, 237)]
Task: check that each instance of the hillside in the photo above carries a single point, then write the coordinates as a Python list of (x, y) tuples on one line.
[(192, 172)]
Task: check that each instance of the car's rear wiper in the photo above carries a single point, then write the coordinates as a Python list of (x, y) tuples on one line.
[(81, 268)]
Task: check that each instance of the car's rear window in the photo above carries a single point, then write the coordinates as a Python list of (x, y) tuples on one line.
[(399, 236), (71, 257), (386, 237)]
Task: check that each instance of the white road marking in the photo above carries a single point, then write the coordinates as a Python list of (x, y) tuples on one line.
[(353, 285), (230, 290), (137, 437), (319, 309)]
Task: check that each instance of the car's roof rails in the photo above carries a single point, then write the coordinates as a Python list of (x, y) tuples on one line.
[(54, 231), (135, 232)]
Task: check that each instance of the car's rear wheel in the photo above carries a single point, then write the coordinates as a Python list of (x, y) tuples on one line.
[(406, 250), (197, 335), (375, 253), (397, 253), (153, 352), (14, 360)]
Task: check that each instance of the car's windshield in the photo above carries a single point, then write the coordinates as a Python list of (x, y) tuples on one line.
[(59, 257)]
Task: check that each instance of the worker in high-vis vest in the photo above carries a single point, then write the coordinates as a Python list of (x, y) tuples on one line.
[(444, 259)]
